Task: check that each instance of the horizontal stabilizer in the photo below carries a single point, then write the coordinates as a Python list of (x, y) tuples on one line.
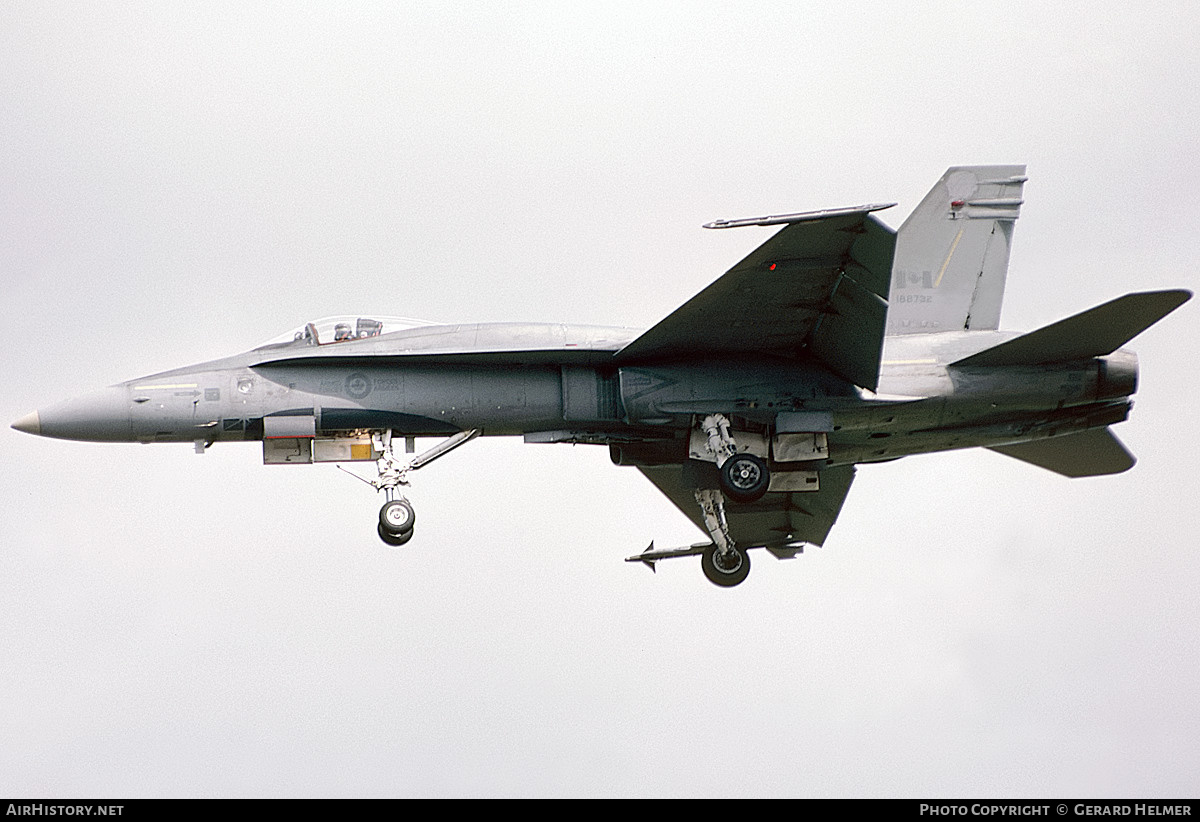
[(1086, 454), (1094, 333)]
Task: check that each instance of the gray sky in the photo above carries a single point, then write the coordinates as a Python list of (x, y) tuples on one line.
[(181, 183)]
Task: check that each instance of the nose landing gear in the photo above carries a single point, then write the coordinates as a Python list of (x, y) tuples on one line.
[(395, 540), (396, 521), (397, 517)]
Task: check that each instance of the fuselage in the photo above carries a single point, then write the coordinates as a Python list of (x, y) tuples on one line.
[(557, 383)]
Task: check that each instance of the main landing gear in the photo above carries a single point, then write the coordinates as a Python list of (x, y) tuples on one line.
[(725, 569), (723, 562), (744, 476), (397, 517)]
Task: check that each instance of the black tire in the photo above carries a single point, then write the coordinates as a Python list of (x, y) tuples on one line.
[(745, 478), (397, 517), (726, 570), (394, 540)]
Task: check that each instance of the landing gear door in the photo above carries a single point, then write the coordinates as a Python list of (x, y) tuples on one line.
[(288, 440)]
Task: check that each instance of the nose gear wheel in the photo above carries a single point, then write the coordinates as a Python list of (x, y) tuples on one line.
[(394, 540), (397, 517)]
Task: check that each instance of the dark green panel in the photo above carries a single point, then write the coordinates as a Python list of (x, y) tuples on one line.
[(849, 337)]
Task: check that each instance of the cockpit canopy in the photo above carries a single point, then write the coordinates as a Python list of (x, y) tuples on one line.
[(343, 328)]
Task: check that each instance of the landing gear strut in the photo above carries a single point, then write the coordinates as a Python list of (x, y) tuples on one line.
[(397, 517), (723, 562)]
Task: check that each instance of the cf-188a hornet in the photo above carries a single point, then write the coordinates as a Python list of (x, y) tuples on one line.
[(836, 342)]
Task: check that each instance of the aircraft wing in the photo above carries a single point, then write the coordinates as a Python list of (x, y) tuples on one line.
[(816, 289), (779, 518)]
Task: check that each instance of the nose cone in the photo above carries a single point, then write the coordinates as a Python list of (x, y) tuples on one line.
[(30, 424), (102, 416)]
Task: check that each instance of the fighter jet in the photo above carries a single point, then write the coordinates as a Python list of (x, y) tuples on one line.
[(836, 342)]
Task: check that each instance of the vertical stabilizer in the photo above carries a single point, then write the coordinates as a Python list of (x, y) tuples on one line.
[(952, 252)]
